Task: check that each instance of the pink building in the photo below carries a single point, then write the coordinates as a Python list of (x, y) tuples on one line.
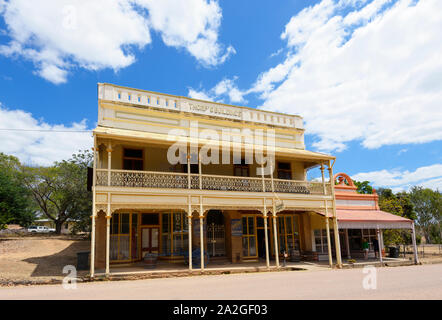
[(359, 217)]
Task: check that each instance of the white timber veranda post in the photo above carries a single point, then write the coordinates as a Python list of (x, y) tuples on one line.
[(381, 245), (378, 233), (201, 233), (189, 225), (275, 230), (327, 230), (200, 173), (275, 234), (189, 213), (327, 223), (266, 235), (109, 213), (413, 239), (92, 264), (189, 182), (108, 218), (335, 219), (109, 163)]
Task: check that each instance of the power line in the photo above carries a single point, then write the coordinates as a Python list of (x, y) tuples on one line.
[(42, 130)]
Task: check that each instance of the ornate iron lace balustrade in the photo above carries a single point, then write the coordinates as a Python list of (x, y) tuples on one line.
[(173, 180), (305, 187), (147, 179), (231, 183)]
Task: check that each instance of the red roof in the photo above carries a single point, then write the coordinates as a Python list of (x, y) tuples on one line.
[(369, 216)]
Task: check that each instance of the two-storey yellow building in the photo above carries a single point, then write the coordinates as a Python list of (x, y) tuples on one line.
[(172, 172)]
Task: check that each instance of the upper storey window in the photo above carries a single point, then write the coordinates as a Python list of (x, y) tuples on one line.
[(194, 168), (133, 159), (284, 170), (241, 170)]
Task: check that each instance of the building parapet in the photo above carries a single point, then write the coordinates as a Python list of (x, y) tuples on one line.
[(119, 94)]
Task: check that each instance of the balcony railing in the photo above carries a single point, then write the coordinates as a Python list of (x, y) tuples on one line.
[(173, 180)]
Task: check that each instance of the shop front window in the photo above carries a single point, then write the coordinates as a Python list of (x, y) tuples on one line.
[(321, 242), (120, 237), (288, 232), (249, 236)]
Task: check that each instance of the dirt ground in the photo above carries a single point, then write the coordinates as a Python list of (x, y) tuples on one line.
[(36, 259), (427, 254)]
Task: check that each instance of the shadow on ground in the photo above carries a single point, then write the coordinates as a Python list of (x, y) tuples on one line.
[(52, 265)]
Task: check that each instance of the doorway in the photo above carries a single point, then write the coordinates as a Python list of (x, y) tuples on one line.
[(216, 245), (149, 240)]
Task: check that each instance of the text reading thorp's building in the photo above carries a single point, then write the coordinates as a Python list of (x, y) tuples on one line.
[(172, 173)]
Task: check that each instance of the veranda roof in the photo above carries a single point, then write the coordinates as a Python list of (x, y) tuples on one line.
[(370, 219)]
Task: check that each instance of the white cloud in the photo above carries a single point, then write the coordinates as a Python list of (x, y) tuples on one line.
[(276, 53), (228, 87), (191, 24), (371, 73), (60, 35), (40, 147), (224, 88), (301, 27), (428, 177), (200, 95), (266, 81), (368, 12), (229, 52)]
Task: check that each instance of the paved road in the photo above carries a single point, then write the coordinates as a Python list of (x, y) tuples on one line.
[(412, 282)]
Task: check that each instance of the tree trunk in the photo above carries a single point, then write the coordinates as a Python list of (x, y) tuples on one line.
[(58, 225)]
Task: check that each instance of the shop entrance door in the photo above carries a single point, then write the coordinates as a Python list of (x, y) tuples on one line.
[(149, 240), (216, 245)]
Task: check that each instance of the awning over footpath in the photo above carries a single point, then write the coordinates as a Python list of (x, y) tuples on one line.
[(371, 219)]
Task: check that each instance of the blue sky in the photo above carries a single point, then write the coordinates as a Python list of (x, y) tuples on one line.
[(366, 75)]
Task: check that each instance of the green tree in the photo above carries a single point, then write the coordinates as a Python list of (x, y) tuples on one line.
[(363, 187), (407, 205), (385, 193), (82, 161), (399, 204), (428, 206), (392, 205), (61, 190), (15, 201)]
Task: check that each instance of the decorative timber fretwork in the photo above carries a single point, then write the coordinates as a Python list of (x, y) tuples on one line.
[(100, 207)]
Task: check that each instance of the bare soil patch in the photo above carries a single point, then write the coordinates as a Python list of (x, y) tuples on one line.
[(38, 259)]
